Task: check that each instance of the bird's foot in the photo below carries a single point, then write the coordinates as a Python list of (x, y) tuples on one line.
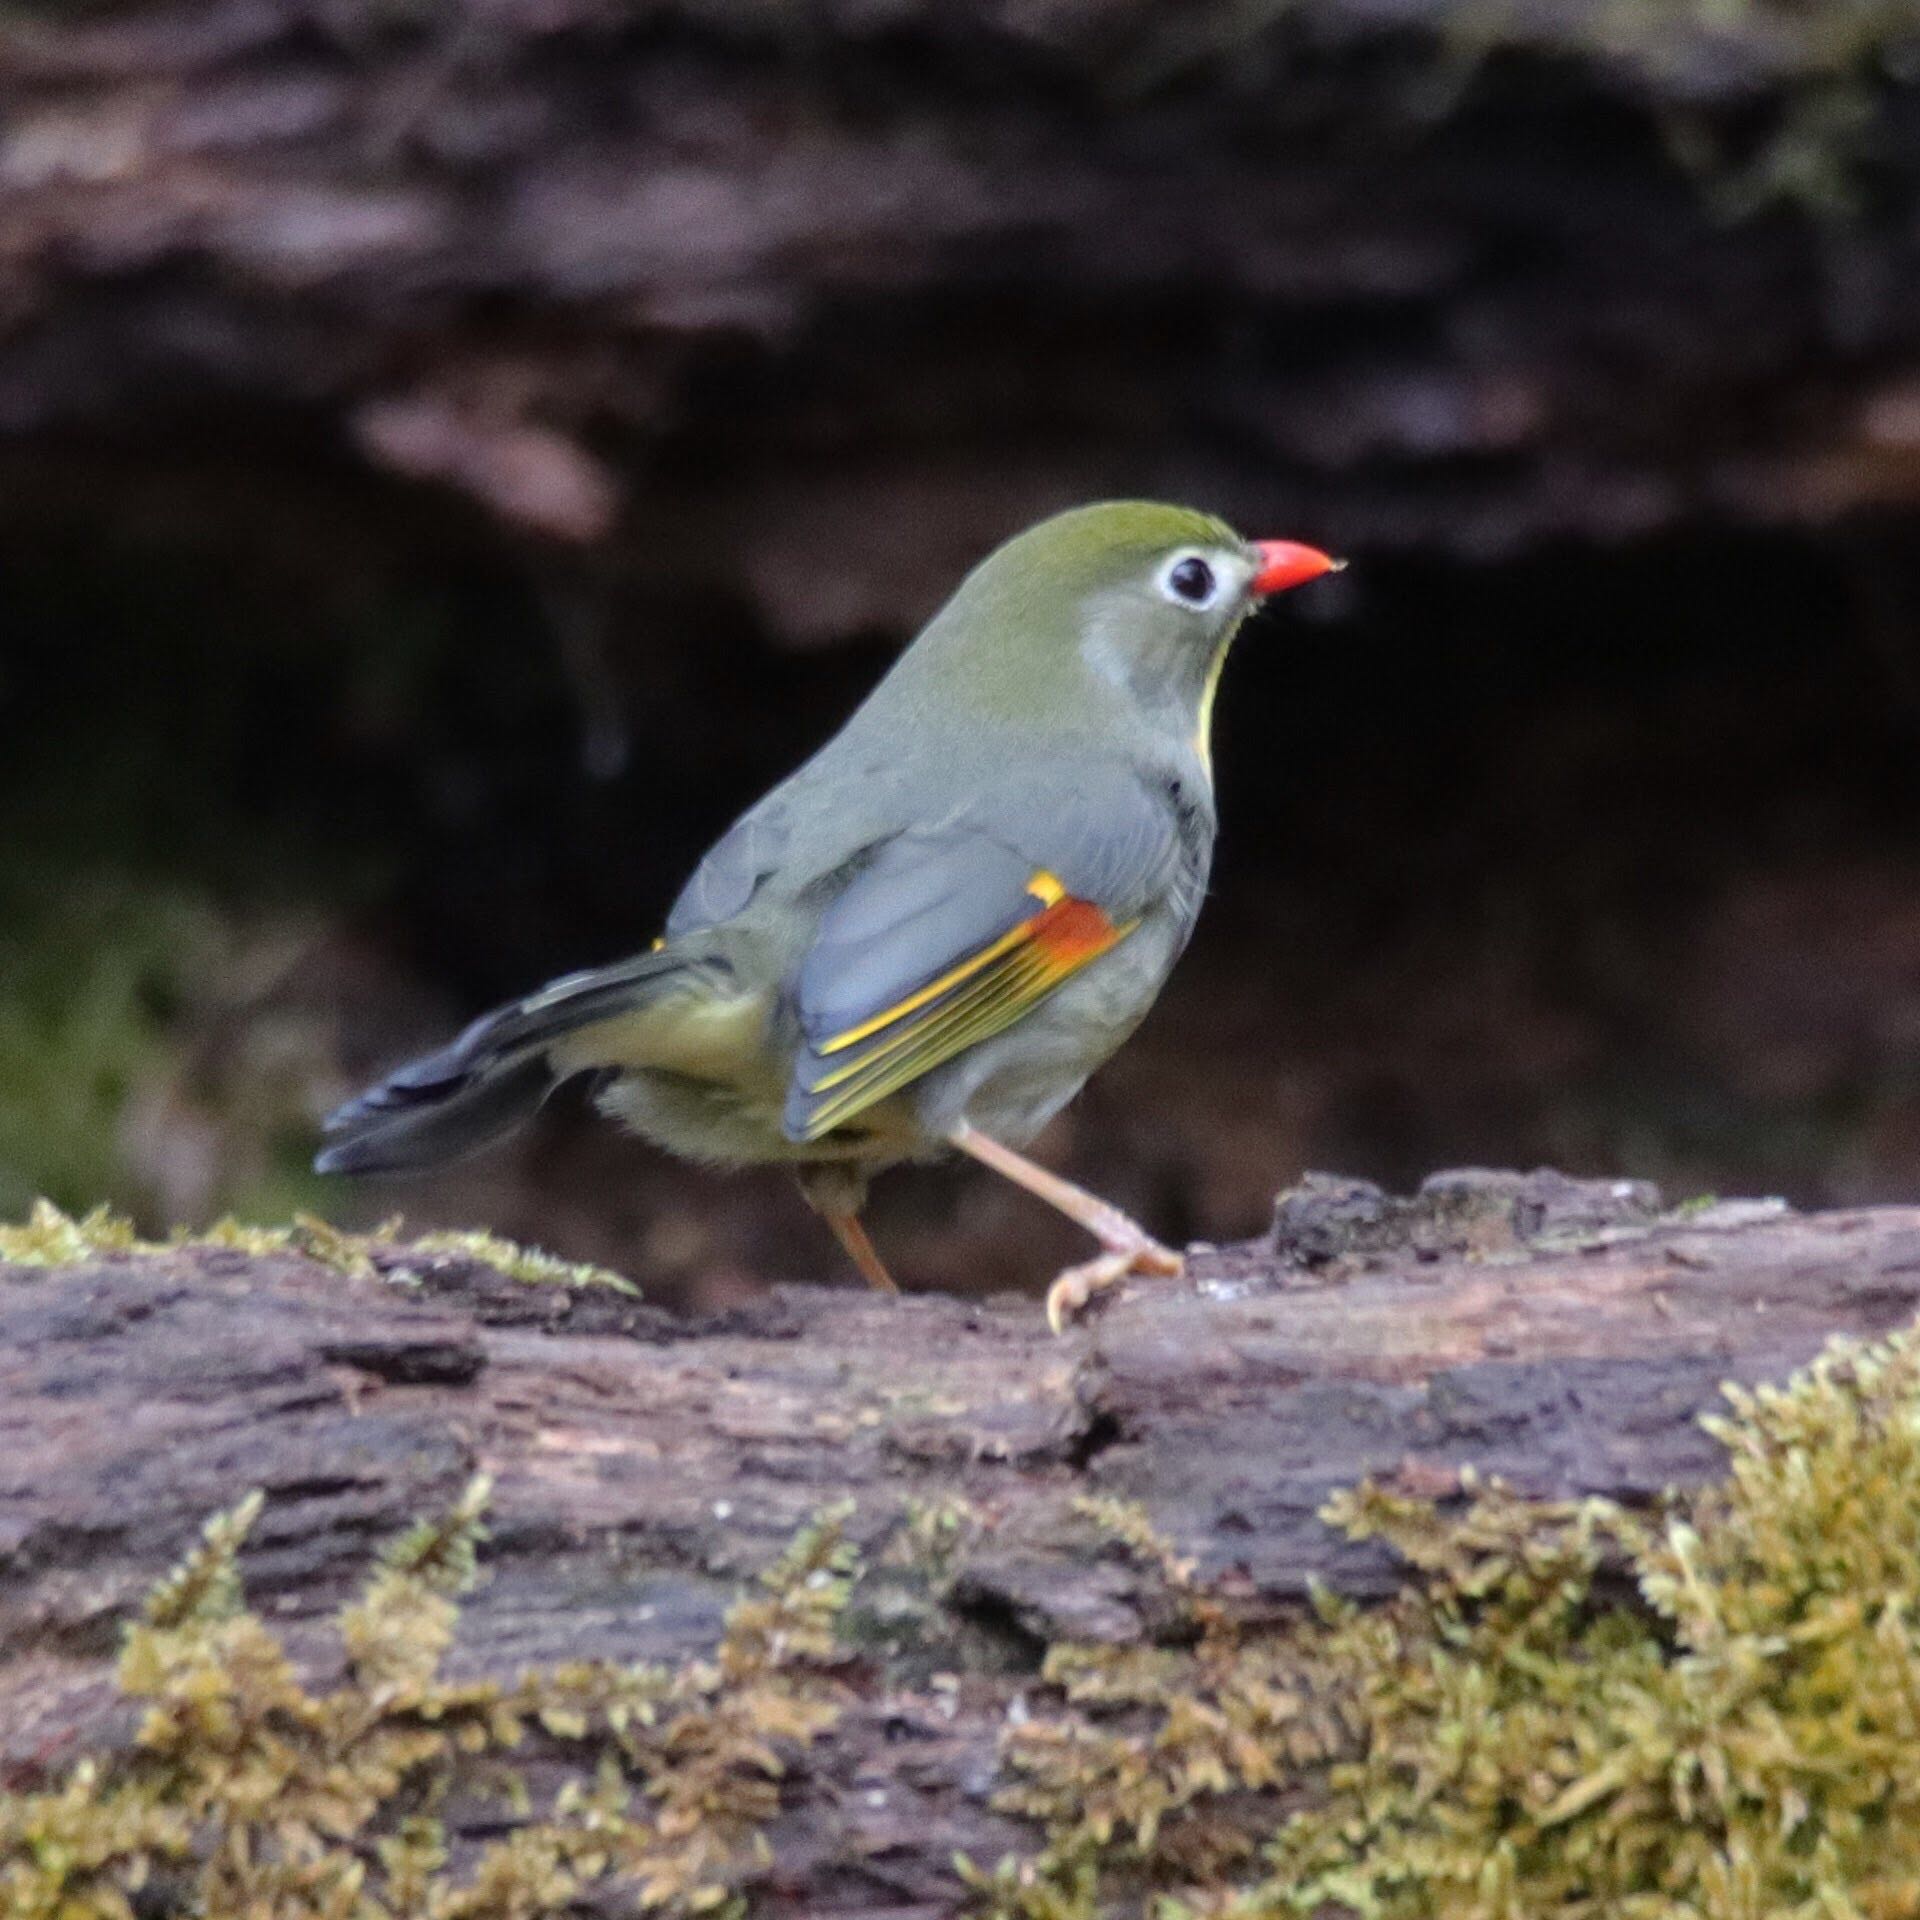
[(1129, 1248), (1074, 1289)]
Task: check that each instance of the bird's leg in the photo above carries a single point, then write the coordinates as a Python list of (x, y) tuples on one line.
[(1129, 1247), (861, 1251), (837, 1191)]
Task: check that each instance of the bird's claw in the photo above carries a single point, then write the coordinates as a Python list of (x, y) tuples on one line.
[(1074, 1289)]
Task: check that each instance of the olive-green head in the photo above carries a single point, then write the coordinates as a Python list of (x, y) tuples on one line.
[(1131, 599)]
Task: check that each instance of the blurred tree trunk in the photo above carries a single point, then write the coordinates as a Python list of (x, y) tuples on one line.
[(730, 288)]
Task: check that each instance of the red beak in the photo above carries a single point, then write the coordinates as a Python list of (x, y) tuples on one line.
[(1286, 563)]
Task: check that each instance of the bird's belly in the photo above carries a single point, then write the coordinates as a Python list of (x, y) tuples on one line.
[(738, 1123)]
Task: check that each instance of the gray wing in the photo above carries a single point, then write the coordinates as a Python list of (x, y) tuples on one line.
[(952, 932), (788, 836)]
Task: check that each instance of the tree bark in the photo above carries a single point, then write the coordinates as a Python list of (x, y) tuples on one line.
[(1562, 1335)]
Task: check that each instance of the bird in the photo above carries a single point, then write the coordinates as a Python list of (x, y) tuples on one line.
[(923, 941)]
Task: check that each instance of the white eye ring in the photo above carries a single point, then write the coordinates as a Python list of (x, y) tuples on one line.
[(1191, 580)]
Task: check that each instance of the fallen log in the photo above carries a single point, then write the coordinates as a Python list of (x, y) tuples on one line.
[(1562, 1336)]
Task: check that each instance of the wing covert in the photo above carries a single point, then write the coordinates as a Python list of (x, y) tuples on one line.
[(948, 936)]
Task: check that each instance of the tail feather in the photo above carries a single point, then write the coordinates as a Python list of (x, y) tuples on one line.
[(491, 1080), (396, 1134)]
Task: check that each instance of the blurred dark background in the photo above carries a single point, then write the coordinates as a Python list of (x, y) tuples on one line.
[(452, 457)]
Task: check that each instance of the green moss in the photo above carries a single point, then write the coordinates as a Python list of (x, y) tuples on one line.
[(934, 1534), (1731, 1730), (520, 1263), (50, 1238), (247, 1794)]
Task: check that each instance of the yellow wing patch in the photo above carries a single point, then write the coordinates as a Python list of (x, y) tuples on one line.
[(1043, 887), (973, 1000)]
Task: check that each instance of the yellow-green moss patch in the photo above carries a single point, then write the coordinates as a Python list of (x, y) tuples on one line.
[(518, 1262), (247, 1794), (50, 1238), (1707, 1713)]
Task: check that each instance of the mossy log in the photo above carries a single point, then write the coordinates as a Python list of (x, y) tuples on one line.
[(1562, 1336)]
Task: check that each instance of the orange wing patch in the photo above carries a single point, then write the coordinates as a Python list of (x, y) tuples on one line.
[(1072, 932), (972, 1001)]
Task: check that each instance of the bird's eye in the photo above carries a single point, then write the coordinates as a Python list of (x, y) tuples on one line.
[(1191, 582)]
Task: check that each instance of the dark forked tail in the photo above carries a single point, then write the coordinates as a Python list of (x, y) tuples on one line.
[(491, 1080)]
